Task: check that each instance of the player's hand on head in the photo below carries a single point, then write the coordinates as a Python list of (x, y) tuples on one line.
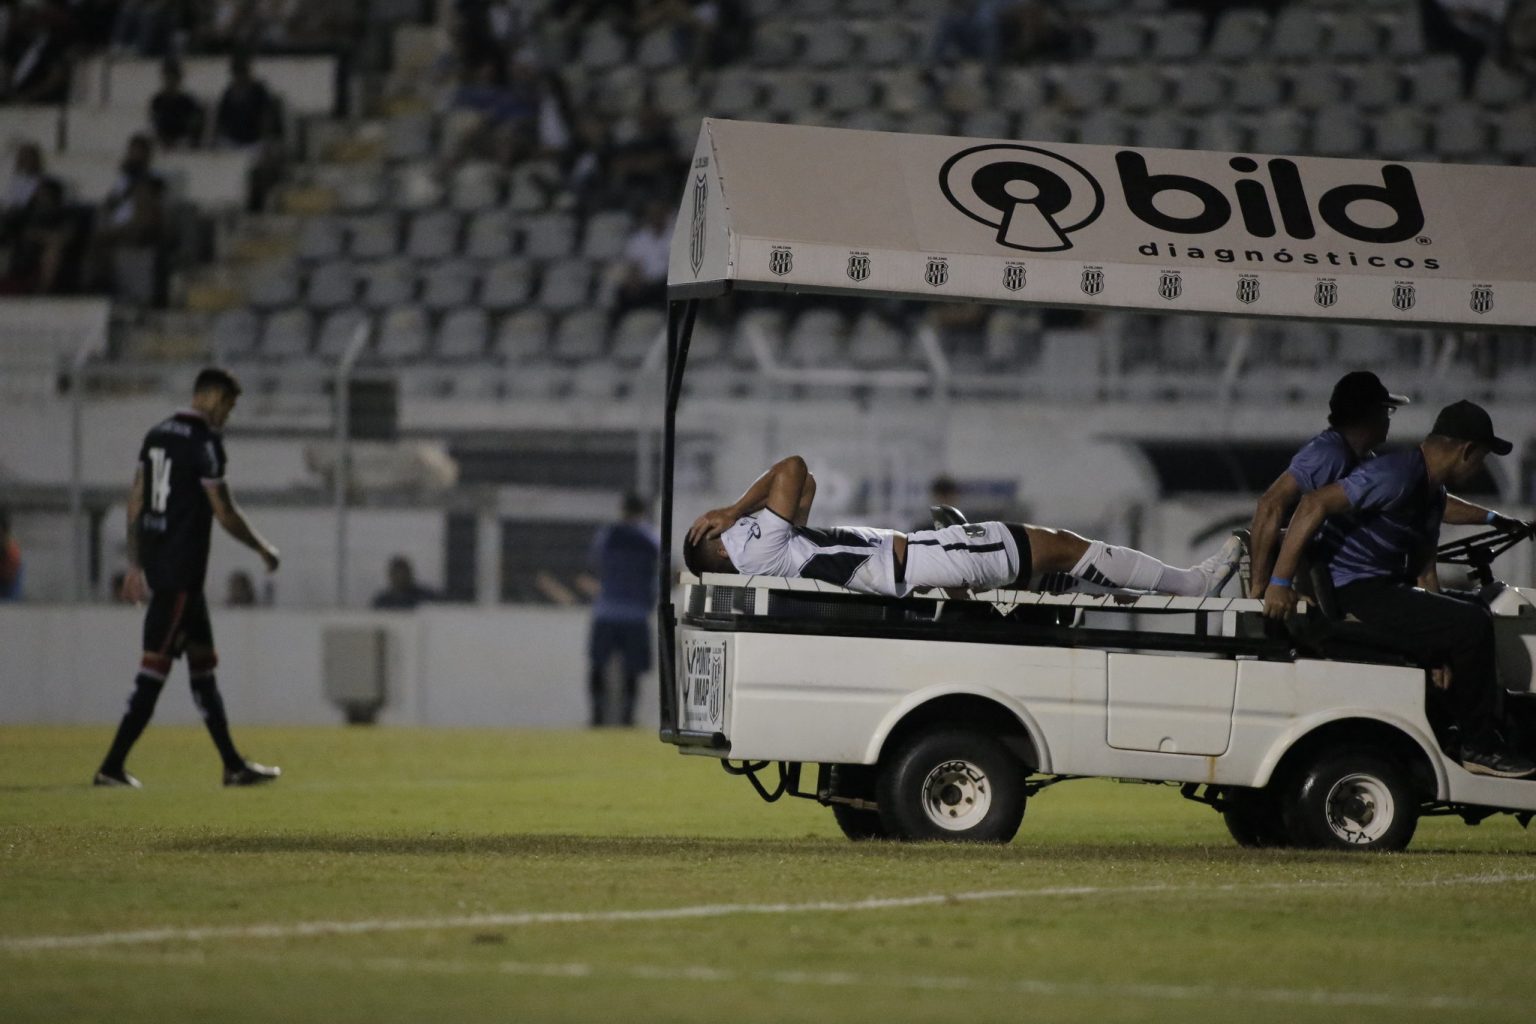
[(710, 525)]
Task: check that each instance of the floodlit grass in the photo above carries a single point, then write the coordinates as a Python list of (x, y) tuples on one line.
[(1116, 903)]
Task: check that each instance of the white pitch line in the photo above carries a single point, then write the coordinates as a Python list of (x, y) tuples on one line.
[(1224, 994), (306, 929)]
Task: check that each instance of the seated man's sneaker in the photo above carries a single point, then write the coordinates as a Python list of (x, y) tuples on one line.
[(251, 774), (120, 779), (1498, 763), (1222, 566)]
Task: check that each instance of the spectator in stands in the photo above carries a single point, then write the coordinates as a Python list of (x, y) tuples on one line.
[(10, 561), (704, 34), (21, 189), (240, 590), (249, 117), (176, 114), (34, 67), (132, 216), (248, 114), (144, 27), (640, 278), (624, 557), (49, 245), (403, 593), (649, 163), (587, 161), (1470, 29)]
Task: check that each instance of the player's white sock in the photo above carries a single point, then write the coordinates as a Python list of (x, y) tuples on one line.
[(1109, 565)]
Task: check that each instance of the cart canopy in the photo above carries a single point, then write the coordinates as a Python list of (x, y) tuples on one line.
[(788, 207)]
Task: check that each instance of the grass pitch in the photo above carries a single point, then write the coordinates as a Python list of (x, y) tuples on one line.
[(397, 875)]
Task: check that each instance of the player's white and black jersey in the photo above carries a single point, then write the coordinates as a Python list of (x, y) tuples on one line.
[(179, 459), (863, 559)]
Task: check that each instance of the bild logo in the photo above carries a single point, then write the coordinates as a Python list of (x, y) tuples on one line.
[(1013, 276), (1034, 198), (781, 260)]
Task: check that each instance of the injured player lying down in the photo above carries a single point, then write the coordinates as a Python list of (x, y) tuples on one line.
[(765, 534)]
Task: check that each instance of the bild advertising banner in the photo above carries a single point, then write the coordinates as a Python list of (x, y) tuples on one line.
[(825, 209)]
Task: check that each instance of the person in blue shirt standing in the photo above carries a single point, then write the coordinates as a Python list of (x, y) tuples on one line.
[(1383, 528), (1359, 420), (624, 556)]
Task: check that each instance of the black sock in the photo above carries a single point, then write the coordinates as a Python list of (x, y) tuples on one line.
[(597, 684), (141, 706), (631, 685), (205, 693)]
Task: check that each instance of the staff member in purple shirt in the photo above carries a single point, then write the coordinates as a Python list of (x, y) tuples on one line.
[(1384, 527), (1359, 419)]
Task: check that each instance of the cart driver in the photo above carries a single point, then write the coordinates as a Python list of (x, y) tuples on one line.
[(764, 533)]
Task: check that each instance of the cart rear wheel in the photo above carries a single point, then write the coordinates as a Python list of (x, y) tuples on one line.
[(953, 783)]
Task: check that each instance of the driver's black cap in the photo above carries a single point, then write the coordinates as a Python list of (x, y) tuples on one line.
[(1359, 392), (1468, 421)]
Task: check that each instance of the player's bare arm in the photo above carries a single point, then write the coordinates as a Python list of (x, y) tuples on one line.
[(1264, 531), (134, 587), (1280, 598), (779, 490), (235, 524)]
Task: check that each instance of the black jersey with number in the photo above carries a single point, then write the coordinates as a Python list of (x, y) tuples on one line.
[(180, 459)]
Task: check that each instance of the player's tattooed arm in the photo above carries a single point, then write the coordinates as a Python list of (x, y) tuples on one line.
[(234, 522), (135, 589)]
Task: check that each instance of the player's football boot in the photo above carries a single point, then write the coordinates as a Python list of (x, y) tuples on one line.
[(251, 774), (1222, 566), (120, 779)]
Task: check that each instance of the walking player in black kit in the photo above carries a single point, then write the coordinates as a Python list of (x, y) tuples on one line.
[(178, 490)]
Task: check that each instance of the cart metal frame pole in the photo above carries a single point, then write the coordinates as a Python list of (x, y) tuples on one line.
[(681, 315)]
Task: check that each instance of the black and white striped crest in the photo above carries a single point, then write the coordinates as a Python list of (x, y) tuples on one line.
[(858, 266), (781, 260), (1170, 285), (1013, 276), (1247, 289), (1402, 296), (1327, 293), (1093, 280), (937, 272), (696, 234), (1482, 299)]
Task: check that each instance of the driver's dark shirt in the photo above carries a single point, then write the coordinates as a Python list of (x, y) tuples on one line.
[(1394, 514)]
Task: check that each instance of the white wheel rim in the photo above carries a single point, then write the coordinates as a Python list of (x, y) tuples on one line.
[(1360, 809), (957, 796)]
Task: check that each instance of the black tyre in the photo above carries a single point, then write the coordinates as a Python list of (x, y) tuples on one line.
[(1254, 819), (952, 783), (856, 780), (1352, 801)]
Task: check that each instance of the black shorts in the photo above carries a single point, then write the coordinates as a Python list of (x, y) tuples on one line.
[(176, 620), (630, 640)]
